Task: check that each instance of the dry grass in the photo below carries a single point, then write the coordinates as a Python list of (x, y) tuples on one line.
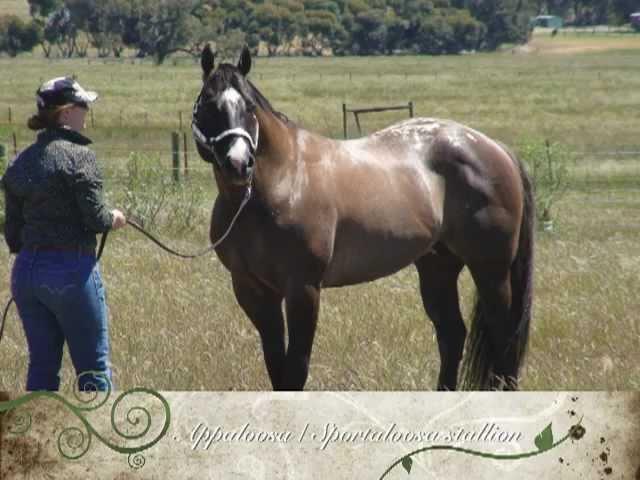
[(19, 8), (175, 323), (571, 43)]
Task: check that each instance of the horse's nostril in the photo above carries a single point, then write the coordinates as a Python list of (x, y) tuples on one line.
[(251, 160)]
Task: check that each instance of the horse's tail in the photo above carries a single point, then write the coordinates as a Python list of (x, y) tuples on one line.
[(478, 364)]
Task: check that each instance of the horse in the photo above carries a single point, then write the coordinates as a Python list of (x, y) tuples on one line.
[(326, 213)]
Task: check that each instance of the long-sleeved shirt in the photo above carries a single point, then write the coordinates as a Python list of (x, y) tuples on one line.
[(53, 193)]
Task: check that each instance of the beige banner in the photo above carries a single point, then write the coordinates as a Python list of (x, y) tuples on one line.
[(323, 436)]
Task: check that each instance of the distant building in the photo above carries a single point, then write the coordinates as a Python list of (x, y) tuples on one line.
[(635, 20), (547, 21)]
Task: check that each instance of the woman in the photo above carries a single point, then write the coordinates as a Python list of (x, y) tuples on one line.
[(54, 209)]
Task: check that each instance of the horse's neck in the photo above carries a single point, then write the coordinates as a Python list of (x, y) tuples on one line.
[(276, 150), (274, 142)]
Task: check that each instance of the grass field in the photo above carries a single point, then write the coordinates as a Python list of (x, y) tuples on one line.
[(175, 324), (19, 8)]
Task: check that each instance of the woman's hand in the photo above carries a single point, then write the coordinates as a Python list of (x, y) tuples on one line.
[(119, 220)]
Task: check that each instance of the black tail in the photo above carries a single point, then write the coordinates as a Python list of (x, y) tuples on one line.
[(478, 365)]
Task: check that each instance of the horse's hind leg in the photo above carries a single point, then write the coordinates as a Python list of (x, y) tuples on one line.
[(264, 309), (493, 317), (439, 271)]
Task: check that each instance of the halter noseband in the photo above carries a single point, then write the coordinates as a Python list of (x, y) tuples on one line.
[(210, 142)]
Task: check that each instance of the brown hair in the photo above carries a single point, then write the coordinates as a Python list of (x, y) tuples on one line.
[(47, 117)]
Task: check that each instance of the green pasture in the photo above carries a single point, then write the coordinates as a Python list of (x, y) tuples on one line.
[(175, 323)]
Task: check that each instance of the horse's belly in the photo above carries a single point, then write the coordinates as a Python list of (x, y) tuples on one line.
[(358, 260)]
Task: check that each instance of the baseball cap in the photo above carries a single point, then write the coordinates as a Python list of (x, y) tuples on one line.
[(61, 91)]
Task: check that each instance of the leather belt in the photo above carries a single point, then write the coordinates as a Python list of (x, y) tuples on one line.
[(63, 248)]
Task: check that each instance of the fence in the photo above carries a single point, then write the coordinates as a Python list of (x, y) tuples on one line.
[(177, 149), (357, 111)]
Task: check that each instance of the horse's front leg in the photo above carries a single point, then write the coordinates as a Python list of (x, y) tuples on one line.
[(264, 309), (302, 304)]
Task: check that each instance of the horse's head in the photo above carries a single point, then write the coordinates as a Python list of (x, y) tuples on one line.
[(224, 124)]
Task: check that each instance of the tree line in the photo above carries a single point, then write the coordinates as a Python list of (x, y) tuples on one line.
[(159, 28)]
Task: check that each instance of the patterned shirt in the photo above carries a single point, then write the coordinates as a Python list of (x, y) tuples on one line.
[(53, 193)]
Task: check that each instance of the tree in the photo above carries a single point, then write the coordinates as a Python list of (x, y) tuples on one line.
[(369, 32), (60, 31), (506, 21), (621, 9), (158, 28), (41, 9), (17, 35), (397, 28), (321, 30), (277, 25)]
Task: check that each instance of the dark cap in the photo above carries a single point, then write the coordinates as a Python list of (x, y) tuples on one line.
[(62, 91)]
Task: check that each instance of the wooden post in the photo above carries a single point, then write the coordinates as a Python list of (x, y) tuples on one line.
[(3, 158), (186, 154), (93, 122), (10, 116), (411, 109), (180, 119), (344, 119), (15, 144), (355, 114), (175, 150)]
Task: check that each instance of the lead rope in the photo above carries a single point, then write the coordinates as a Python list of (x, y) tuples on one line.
[(215, 245), (135, 225)]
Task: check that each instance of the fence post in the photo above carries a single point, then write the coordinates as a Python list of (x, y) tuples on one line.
[(186, 154), (411, 109), (93, 121), (15, 144), (180, 115), (10, 116), (175, 150), (3, 158), (344, 119)]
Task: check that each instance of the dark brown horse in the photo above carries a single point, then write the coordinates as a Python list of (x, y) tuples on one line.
[(327, 213)]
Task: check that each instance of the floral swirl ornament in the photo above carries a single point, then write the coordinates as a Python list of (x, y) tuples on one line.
[(74, 442), (543, 441)]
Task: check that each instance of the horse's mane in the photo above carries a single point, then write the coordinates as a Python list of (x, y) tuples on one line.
[(263, 103), (225, 75)]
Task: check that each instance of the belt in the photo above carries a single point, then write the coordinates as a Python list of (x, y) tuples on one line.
[(63, 248)]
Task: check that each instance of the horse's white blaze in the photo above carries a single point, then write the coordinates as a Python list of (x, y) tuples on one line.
[(239, 153), (230, 97)]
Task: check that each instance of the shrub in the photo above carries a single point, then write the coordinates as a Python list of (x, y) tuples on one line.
[(549, 169), (150, 196)]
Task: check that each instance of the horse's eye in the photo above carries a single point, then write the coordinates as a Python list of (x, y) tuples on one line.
[(251, 107)]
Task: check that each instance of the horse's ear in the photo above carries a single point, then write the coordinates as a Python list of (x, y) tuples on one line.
[(207, 59), (244, 64)]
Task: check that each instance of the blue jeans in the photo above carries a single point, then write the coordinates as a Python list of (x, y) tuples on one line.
[(60, 296)]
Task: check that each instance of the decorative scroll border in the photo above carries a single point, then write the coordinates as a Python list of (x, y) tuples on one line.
[(73, 442)]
